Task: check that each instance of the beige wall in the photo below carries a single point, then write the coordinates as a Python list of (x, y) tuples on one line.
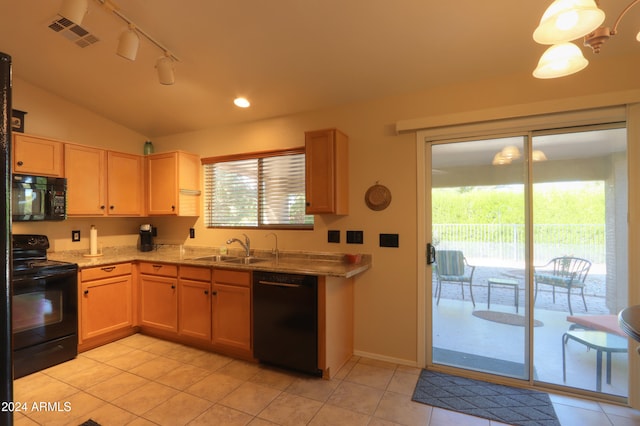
[(386, 295)]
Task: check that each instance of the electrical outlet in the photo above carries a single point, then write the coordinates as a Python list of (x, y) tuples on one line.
[(75, 236), (192, 233)]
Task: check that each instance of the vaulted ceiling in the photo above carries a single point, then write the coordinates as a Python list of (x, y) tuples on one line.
[(286, 56)]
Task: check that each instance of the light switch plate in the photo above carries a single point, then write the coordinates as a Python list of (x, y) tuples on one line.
[(75, 236), (355, 237)]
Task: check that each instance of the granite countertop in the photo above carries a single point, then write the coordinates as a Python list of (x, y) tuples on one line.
[(310, 263)]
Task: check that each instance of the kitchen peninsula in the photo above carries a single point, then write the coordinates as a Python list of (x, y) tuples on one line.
[(194, 296)]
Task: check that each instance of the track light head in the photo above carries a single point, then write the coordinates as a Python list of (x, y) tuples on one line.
[(74, 10), (164, 65), (128, 44)]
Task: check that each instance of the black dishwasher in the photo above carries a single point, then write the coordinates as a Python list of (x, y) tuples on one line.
[(285, 320)]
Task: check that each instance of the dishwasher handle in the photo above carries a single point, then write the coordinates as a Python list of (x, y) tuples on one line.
[(275, 284)]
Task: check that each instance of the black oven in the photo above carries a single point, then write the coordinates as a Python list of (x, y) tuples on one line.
[(45, 307), (38, 198)]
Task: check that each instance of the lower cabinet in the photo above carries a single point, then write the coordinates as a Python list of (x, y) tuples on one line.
[(194, 313), (232, 311), (106, 303), (159, 296)]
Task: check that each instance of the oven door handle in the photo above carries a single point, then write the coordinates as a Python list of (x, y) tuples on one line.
[(41, 276)]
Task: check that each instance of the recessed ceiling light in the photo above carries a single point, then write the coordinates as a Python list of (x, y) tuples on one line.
[(241, 102)]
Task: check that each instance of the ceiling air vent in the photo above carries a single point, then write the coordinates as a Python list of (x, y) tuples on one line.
[(71, 31)]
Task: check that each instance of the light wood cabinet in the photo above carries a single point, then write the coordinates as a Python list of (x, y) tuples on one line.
[(173, 180), (326, 169), (159, 296), (105, 300), (232, 311), (125, 184), (194, 313), (37, 155), (103, 183)]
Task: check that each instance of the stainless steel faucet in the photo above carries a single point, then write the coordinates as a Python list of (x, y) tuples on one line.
[(246, 245), (276, 252)]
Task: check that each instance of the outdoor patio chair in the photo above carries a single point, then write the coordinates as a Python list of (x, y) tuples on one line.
[(452, 266), (564, 272)]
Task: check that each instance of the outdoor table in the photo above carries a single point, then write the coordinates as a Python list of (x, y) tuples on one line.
[(507, 283), (601, 342)]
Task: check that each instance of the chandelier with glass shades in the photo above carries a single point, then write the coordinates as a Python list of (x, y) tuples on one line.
[(568, 20)]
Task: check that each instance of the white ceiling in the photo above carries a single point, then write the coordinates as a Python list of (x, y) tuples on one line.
[(286, 56)]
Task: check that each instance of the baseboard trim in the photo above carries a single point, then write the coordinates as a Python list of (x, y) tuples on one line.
[(393, 360)]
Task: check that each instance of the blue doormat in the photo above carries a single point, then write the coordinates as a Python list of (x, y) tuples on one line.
[(506, 404)]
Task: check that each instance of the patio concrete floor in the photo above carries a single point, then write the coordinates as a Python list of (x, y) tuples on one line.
[(455, 328)]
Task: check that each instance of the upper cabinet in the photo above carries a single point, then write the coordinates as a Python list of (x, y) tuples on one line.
[(173, 180), (327, 178), (36, 155), (103, 183)]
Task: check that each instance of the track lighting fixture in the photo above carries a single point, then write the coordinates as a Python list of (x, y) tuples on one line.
[(128, 43), (164, 65), (567, 20), (74, 10)]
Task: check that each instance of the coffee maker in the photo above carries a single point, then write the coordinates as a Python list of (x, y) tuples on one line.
[(146, 237)]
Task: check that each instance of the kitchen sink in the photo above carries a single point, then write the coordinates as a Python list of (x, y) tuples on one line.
[(218, 258), (245, 260)]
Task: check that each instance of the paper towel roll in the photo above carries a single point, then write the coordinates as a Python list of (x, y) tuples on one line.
[(93, 240)]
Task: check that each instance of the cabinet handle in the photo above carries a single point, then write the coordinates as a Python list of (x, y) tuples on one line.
[(206, 292), (173, 286), (108, 268), (173, 208), (20, 163), (214, 293), (112, 207), (307, 203), (101, 207), (86, 292)]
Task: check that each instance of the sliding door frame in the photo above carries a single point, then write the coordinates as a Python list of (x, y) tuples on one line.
[(525, 126)]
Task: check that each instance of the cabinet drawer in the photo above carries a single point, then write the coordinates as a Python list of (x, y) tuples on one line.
[(159, 269), (225, 276), (195, 273), (105, 271)]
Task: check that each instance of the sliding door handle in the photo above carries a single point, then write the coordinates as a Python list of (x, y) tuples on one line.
[(431, 254)]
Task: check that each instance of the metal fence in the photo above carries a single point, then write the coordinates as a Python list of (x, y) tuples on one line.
[(507, 242)]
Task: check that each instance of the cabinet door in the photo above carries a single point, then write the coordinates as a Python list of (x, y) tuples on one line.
[(159, 302), (232, 316), (105, 306), (326, 167), (86, 183), (125, 184), (195, 309), (38, 156), (162, 174)]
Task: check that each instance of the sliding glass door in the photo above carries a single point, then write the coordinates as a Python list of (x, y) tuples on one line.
[(530, 237), (478, 197)]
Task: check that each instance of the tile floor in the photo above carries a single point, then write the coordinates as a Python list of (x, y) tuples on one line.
[(145, 381)]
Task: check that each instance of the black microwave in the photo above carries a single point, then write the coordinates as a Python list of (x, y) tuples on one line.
[(38, 198)]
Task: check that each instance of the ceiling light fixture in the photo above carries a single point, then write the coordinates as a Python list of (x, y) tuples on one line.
[(164, 65), (242, 102), (129, 41), (74, 10), (567, 20)]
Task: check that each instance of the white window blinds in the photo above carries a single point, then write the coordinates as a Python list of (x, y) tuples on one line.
[(267, 191)]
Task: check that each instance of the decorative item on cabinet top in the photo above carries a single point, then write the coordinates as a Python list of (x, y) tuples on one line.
[(377, 197)]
